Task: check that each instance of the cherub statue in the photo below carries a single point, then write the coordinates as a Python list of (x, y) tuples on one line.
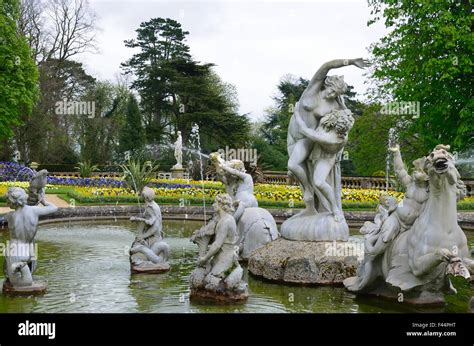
[(393, 218), (23, 225), (149, 253), (331, 135), (255, 226), (420, 244), (218, 274), (37, 187)]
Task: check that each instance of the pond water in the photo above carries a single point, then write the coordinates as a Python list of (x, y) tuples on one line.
[(87, 269)]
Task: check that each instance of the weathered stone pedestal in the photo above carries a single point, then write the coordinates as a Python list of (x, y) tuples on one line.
[(219, 297), (36, 288), (317, 227), (177, 172), (306, 262), (150, 268)]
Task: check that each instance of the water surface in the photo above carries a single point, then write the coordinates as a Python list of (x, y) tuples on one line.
[(87, 269)]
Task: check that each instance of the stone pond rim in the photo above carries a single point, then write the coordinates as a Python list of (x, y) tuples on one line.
[(195, 213)]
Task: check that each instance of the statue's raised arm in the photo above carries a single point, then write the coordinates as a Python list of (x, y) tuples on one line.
[(399, 166)]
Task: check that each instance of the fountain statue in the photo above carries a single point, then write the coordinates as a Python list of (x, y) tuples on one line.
[(37, 187), (149, 253), (218, 275), (21, 252), (317, 133), (255, 226), (177, 171), (412, 246)]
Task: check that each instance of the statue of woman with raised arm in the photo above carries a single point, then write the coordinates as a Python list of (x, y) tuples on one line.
[(322, 96)]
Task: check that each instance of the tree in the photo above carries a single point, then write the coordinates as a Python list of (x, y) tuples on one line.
[(18, 73), (427, 58), (132, 134), (159, 41), (57, 31), (177, 92), (368, 138)]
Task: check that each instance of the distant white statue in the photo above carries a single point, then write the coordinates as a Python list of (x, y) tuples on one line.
[(178, 152)]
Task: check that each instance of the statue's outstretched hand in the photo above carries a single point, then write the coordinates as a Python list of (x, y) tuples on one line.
[(361, 63)]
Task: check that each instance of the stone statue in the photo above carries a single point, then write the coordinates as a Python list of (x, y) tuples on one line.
[(392, 218), (149, 253), (20, 257), (178, 152), (255, 226), (317, 133), (37, 187), (218, 274), (415, 246)]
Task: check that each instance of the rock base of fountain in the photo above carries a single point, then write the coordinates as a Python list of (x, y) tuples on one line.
[(316, 227), (38, 287), (306, 262), (150, 268), (224, 296)]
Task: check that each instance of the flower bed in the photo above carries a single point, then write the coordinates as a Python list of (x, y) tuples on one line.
[(189, 192)]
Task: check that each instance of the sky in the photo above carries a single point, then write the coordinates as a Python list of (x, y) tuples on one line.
[(252, 43)]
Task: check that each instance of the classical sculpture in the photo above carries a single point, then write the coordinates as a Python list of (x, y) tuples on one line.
[(255, 226), (20, 257), (317, 133), (218, 274), (149, 253), (413, 248), (37, 186), (178, 151)]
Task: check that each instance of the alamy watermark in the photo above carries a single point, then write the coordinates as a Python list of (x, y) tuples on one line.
[(402, 108), (339, 249), (19, 249), (242, 154), (65, 107)]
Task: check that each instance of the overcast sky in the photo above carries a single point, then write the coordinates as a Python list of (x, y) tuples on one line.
[(253, 43)]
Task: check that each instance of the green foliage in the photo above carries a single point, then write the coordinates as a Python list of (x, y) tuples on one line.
[(86, 169), (367, 145), (176, 91), (18, 72), (137, 174), (427, 57), (132, 134)]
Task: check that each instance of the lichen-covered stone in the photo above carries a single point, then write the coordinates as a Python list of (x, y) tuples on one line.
[(305, 262)]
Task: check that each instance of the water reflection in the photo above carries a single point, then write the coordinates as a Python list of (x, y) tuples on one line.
[(87, 268)]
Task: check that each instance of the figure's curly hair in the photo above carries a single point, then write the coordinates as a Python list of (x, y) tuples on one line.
[(16, 197), (148, 194), (336, 83), (225, 202), (237, 164), (341, 117)]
